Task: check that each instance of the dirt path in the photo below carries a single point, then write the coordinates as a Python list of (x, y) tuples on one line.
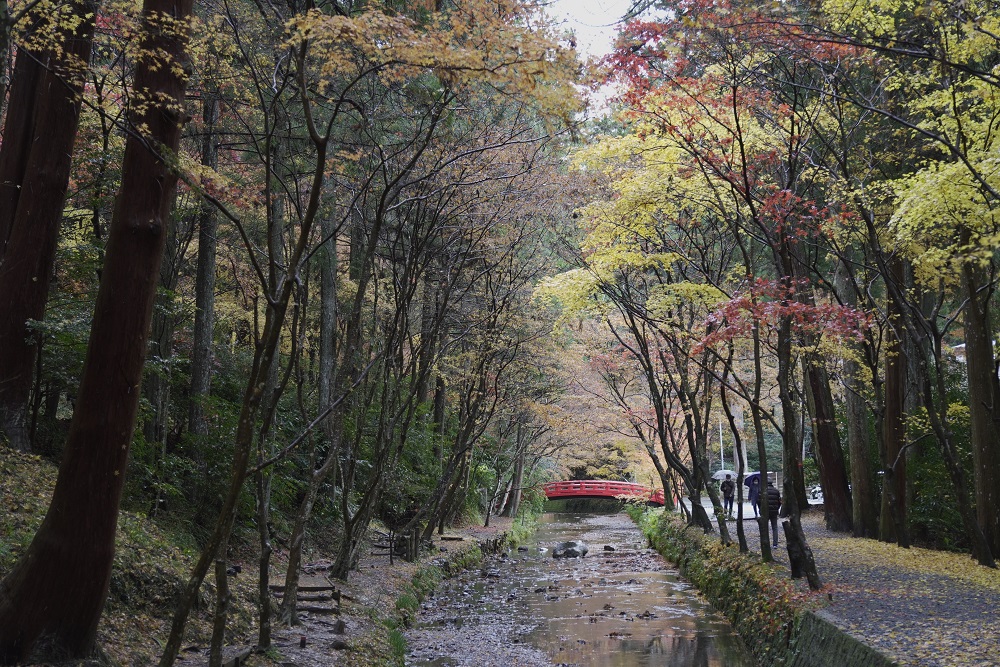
[(373, 587)]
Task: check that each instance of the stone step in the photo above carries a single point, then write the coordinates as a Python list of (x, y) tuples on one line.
[(317, 610)]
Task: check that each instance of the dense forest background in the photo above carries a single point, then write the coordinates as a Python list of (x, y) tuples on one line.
[(275, 271)]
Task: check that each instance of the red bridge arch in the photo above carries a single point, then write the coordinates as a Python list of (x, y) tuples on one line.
[(596, 488)]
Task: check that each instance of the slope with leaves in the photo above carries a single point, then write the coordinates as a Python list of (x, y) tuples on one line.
[(150, 561)]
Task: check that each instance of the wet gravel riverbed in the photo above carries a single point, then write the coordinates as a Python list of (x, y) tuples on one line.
[(620, 605)]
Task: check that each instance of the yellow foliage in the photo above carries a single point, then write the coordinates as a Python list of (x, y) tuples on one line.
[(943, 221), (505, 44), (573, 291)]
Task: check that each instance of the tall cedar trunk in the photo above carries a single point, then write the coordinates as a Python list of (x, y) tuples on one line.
[(59, 586), (862, 488), (6, 32), (893, 520), (913, 349), (829, 454), (35, 159), (156, 382), (18, 138), (863, 506), (984, 404), (204, 287)]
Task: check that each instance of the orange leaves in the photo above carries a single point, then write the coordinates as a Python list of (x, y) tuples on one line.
[(499, 44)]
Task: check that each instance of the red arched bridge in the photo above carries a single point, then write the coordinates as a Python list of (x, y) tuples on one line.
[(597, 488)]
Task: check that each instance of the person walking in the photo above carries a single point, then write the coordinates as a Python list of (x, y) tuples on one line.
[(754, 495), (728, 488), (773, 503)]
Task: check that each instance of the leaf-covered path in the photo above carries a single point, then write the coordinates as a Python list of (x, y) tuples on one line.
[(922, 608)]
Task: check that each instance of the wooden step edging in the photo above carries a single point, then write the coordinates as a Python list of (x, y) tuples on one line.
[(280, 588)]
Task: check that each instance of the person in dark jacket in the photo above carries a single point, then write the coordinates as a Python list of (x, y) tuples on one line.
[(728, 492), (773, 503), (754, 495)]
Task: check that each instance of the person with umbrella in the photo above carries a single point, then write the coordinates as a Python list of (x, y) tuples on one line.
[(753, 481)]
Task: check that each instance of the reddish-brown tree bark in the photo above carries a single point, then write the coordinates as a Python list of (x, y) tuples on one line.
[(829, 453), (57, 589), (893, 521), (35, 160)]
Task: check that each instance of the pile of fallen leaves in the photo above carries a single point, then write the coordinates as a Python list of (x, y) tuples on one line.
[(880, 555)]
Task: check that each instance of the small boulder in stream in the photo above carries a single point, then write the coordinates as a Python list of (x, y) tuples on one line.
[(572, 549)]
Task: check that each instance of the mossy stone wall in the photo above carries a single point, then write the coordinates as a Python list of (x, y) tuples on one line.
[(780, 626), (819, 642)]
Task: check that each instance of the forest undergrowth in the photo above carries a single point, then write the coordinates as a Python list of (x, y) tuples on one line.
[(151, 561)]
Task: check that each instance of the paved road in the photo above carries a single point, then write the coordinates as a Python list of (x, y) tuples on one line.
[(747, 507), (903, 602)]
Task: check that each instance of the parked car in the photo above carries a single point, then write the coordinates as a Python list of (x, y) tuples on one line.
[(816, 492)]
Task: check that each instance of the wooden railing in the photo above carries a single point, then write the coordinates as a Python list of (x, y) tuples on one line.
[(595, 488)]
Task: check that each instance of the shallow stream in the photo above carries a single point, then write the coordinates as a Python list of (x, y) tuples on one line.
[(620, 606)]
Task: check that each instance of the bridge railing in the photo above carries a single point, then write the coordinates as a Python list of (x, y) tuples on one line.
[(605, 488)]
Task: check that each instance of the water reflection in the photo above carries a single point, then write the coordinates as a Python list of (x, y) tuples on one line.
[(620, 607)]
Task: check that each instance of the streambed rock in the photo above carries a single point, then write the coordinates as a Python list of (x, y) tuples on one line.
[(573, 549)]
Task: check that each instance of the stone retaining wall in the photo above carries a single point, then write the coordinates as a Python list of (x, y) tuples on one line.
[(818, 641), (788, 633)]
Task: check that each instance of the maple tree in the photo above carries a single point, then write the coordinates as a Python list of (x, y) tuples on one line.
[(773, 130), (935, 217)]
